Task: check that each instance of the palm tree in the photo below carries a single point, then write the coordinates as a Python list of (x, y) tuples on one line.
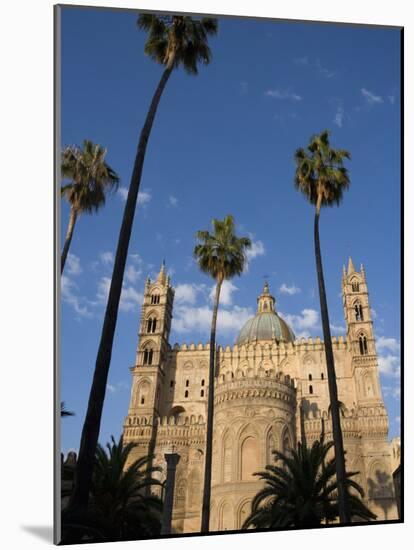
[(302, 491), (322, 178), (64, 411), (173, 41), (90, 178), (120, 507), (221, 255)]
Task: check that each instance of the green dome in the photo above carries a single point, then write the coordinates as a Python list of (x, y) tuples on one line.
[(266, 324)]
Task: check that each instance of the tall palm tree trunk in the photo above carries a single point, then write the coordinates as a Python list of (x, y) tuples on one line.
[(344, 514), (205, 512), (69, 233), (91, 426)]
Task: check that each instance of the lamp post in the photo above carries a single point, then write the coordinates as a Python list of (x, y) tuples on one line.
[(172, 460)]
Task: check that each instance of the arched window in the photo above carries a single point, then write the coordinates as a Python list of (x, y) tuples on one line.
[(249, 458), (310, 377), (202, 393), (355, 287), (310, 389), (363, 346), (155, 299), (202, 382), (187, 383), (148, 353), (151, 325), (322, 376), (359, 316), (186, 393)]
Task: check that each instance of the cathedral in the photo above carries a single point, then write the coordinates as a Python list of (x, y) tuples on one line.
[(271, 392)]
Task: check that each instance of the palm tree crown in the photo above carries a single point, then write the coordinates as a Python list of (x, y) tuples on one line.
[(120, 506), (90, 176), (221, 254), (320, 171), (301, 491), (176, 40)]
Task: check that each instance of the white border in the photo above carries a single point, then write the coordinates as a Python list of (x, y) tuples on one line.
[(26, 230)]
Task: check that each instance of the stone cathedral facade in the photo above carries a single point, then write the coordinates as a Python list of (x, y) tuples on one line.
[(271, 391)]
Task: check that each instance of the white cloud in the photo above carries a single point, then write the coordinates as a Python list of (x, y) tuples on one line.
[(172, 201), (392, 391), (226, 292), (257, 249), (68, 295), (301, 60), (389, 365), (339, 116), (132, 275), (144, 197), (107, 258), (283, 94), (392, 344), (371, 97), (198, 319), (302, 324), (286, 289), (186, 293), (113, 388), (123, 193), (374, 314), (131, 299), (336, 328), (73, 266), (323, 70)]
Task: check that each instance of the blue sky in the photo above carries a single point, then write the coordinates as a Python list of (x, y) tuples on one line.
[(223, 142)]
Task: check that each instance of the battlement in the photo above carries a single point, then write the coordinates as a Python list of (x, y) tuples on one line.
[(236, 351)]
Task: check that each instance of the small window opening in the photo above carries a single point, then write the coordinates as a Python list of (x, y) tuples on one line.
[(202, 382), (186, 393), (202, 393), (322, 375), (142, 400), (310, 389), (310, 377), (187, 383)]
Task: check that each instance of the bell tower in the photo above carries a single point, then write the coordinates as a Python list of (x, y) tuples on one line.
[(360, 334), (154, 329)]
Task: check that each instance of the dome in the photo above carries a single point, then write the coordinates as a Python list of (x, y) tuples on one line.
[(266, 324)]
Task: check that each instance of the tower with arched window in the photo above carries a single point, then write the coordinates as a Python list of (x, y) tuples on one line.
[(152, 350)]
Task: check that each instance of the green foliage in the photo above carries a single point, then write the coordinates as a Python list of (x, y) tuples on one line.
[(90, 177), (221, 254), (121, 506), (320, 171), (64, 411), (301, 491), (178, 39)]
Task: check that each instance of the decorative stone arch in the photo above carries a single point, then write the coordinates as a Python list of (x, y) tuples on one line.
[(243, 511), (379, 481), (176, 412), (362, 340), (194, 489), (143, 391), (227, 457), (155, 295), (368, 384), (248, 453), (286, 440), (271, 444), (180, 493), (226, 516)]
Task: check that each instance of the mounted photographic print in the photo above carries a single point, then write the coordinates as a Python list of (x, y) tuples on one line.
[(228, 199)]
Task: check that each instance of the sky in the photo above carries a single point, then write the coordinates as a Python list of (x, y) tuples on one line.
[(223, 143)]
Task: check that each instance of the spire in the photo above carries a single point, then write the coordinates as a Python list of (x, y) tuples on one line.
[(351, 268), (162, 277), (265, 302)]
